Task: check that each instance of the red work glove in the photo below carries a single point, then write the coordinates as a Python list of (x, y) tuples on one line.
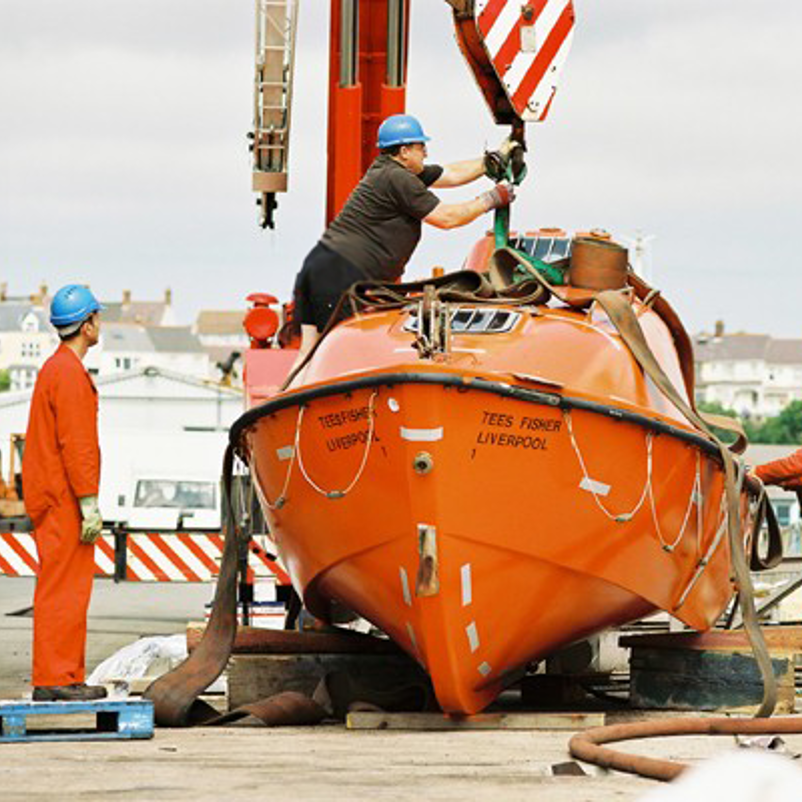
[(502, 194)]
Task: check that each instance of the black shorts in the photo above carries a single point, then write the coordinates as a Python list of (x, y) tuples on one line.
[(324, 277)]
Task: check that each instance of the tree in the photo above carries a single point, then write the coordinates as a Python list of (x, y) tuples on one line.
[(785, 428), (5, 381)]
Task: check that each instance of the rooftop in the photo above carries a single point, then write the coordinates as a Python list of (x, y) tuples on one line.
[(137, 338), (214, 321), (13, 313), (741, 346)]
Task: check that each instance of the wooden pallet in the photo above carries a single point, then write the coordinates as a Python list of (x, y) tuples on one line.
[(102, 720), (368, 720)]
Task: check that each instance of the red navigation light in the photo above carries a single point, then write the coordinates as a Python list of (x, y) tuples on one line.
[(261, 322)]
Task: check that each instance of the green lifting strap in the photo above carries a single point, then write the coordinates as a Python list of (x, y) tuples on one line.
[(501, 218), (501, 234)]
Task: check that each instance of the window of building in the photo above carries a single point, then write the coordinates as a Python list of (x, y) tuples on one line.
[(23, 378), (783, 511), (31, 349), (123, 362)]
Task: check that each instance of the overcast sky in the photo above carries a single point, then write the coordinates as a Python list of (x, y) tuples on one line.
[(124, 162)]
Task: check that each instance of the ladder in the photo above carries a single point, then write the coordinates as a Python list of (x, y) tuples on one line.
[(276, 22)]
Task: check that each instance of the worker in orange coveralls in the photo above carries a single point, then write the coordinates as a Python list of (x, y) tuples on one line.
[(60, 477)]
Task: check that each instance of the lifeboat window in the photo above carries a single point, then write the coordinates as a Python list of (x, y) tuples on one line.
[(546, 249), (474, 320)]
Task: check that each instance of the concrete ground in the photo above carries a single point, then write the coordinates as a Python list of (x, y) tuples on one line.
[(325, 762)]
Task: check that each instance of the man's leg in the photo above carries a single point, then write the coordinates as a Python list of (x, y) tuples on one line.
[(63, 590)]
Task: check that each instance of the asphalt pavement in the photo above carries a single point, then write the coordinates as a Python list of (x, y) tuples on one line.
[(326, 762), (118, 615)]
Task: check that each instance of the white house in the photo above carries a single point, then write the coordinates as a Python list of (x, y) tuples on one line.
[(754, 374), (130, 346), (26, 340), (134, 334)]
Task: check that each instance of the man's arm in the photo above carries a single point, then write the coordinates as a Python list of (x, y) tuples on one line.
[(454, 215), (781, 471), (460, 173)]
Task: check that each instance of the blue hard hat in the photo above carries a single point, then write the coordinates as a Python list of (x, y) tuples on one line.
[(400, 129), (72, 304)]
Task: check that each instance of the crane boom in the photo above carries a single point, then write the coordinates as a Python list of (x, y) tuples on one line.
[(276, 23), (515, 49)]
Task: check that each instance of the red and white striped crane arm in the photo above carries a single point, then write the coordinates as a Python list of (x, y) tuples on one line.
[(516, 50)]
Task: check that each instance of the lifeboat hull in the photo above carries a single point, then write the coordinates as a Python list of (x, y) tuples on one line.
[(483, 524)]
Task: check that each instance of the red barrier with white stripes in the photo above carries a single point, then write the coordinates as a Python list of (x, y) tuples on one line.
[(151, 557), (527, 43)]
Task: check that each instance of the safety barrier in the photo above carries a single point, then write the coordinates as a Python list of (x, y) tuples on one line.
[(145, 556)]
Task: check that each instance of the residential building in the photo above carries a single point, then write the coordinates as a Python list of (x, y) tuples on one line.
[(223, 337), (26, 340), (143, 313), (754, 374), (134, 334), (125, 347)]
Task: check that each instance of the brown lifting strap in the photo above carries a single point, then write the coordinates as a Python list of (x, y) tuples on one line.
[(619, 310)]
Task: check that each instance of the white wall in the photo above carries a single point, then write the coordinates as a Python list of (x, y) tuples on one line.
[(138, 403)]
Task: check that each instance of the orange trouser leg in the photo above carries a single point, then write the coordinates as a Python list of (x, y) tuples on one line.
[(63, 589)]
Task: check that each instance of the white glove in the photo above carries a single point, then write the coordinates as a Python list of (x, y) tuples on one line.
[(508, 146), (92, 524)]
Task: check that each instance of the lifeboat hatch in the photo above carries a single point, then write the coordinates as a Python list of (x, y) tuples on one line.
[(428, 579)]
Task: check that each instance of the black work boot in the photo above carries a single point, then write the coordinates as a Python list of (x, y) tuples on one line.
[(80, 692)]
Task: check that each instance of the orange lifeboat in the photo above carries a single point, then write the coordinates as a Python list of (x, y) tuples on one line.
[(487, 481)]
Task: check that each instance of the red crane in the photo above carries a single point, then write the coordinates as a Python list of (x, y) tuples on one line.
[(515, 50)]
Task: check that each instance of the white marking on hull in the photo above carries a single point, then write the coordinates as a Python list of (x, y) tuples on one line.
[(285, 453), (467, 590), (393, 404), (411, 633), (405, 586), (422, 435), (592, 486), (473, 636)]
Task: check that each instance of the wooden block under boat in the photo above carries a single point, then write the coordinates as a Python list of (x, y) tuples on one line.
[(710, 671), (253, 640), (481, 721), (252, 677)]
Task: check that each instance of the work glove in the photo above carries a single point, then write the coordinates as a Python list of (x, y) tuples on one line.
[(510, 153), (507, 146), (92, 523), (502, 194)]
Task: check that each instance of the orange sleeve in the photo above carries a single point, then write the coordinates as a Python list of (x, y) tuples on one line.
[(782, 471), (75, 406)]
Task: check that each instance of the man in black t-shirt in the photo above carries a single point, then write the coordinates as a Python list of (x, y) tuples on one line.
[(379, 227)]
